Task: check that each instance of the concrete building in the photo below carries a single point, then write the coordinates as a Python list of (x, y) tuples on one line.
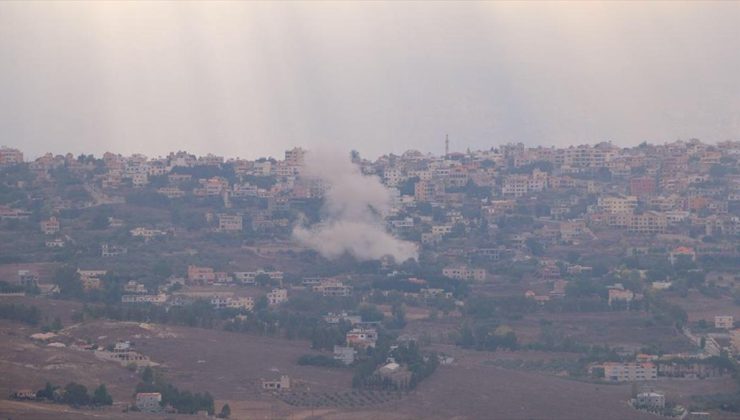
[(10, 156), (50, 226), (149, 402), (618, 293), (725, 322), (650, 400), (465, 273), (362, 337), (282, 383), (277, 296), (230, 222), (28, 278), (630, 371), (201, 274), (617, 204), (642, 186), (345, 354), (250, 277), (138, 298), (333, 287), (107, 250)]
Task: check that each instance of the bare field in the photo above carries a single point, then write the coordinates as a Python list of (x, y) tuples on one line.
[(29, 364), (231, 365), (629, 330), (50, 308), (698, 306)]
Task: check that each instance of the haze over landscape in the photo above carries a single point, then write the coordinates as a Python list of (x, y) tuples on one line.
[(325, 210), (252, 79)]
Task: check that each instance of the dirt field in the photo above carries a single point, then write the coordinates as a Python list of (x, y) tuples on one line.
[(628, 330), (231, 365), (698, 306)]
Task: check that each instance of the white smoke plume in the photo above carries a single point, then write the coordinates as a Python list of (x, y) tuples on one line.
[(352, 214)]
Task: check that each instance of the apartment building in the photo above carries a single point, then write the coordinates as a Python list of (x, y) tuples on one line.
[(617, 204), (333, 287), (50, 226), (362, 337), (277, 296), (230, 222), (9, 156), (648, 222), (201, 274), (464, 273), (630, 371), (725, 322)]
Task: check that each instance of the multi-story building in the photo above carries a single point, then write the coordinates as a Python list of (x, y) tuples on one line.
[(362, 337), (630, 371), (28, 278), (725, 322), (333, 287), (230, 222), (251, 276), (277, 296), (149, 402), (617, 204), (9, 156), (465, 273), (648, 222), (643, 186), (157, 299), (50, 226), (650, 400), (201, 274)]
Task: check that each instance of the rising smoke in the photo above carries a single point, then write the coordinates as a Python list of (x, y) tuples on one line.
[(352, 214)]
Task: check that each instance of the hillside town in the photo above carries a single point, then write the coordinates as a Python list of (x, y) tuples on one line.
[(602, 264)]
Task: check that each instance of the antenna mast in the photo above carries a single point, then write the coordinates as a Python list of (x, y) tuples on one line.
[(447, 145)]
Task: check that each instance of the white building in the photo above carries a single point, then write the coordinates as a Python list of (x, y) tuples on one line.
[(230, 222), (464, 273), (345, 354), (725, 322), (283, 383), (149, 402), (277, 296), (650, 400)]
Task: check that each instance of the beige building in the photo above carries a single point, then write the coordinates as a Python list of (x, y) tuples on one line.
[(617, 204), (725, 322), (630, 371), (277, 296), (50, 226)]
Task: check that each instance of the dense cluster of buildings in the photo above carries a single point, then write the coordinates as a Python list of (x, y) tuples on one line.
[(532, 218)]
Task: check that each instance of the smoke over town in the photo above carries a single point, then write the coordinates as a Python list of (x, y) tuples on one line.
[(352, 213)]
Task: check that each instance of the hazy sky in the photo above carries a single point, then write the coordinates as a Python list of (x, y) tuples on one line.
[(252, 79)]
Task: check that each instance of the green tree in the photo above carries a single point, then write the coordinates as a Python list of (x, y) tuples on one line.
[(76, 394), (147, 375), (162, 268), (56, 325), (69, 282), (225, 412), (100, 221), (370, 313), (101, 396), (262, 279), (47, 392)]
